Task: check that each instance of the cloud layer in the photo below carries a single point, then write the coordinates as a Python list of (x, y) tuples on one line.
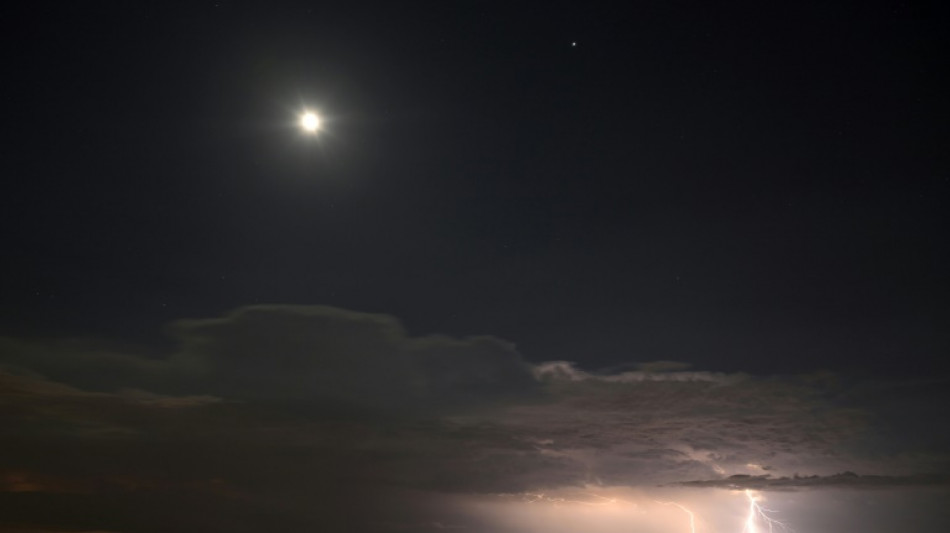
[(304, 416)]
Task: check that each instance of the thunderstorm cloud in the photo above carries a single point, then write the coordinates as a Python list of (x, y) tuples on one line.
[(292, 417)]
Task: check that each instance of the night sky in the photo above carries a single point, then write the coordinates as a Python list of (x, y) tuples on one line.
[(545, 267)]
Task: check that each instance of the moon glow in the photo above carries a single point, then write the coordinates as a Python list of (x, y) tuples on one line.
[(310, 122)]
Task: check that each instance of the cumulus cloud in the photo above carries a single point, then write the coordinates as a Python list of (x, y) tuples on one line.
[(295, 353), (324, 353), (304, 416), (296, 413)]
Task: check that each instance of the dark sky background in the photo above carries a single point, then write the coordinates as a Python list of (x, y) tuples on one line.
[(754, 187), (737, 208)]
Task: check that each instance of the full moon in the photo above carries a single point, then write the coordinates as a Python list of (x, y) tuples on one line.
[(310, 122)]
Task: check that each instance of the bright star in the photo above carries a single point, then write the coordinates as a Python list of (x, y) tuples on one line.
[(310, 122)]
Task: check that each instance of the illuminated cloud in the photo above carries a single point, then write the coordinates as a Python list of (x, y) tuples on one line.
[(301, 417), (656, 371), (842, 480)]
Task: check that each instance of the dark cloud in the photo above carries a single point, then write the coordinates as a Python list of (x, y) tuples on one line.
[(285, 417), (314, 353), (844, 479), (133, 461), (271, 416), (296, 353)]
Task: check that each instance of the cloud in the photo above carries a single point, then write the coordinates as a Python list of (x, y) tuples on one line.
[(844, 479), (655, 371), (315, 354), (682, 425), (301, 414), (291, 417)]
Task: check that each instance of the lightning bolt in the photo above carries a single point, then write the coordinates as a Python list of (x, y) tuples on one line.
[(692, 517), (758, 519), (758, 515)]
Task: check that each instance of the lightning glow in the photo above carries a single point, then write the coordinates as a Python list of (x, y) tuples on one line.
[(638, 510), (598, 500), (692, 516), (759, 515)]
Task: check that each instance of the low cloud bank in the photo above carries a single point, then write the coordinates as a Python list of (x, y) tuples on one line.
[(288, 417), (844, 479)]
